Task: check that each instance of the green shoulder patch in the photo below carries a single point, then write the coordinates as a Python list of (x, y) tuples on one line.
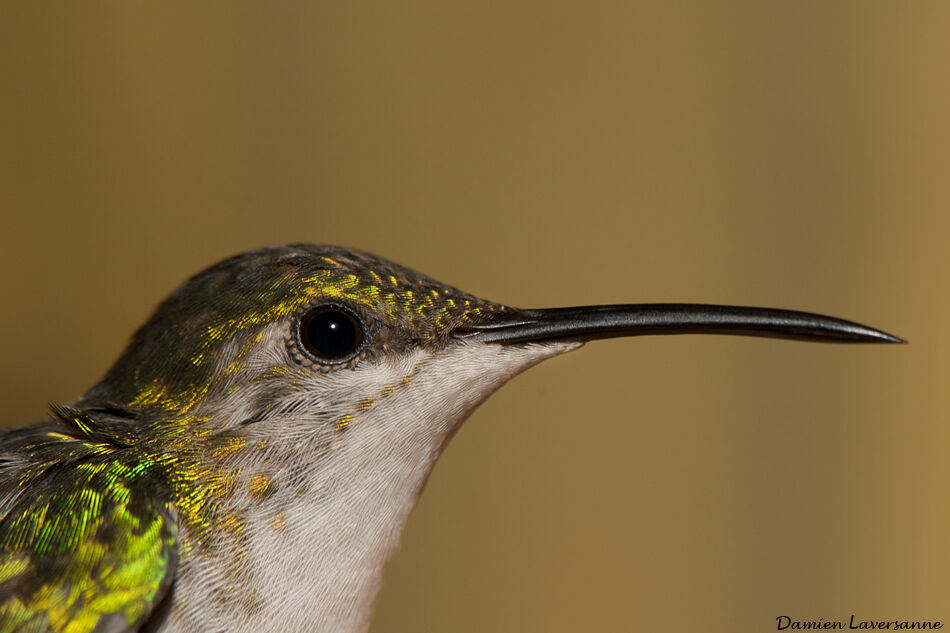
[(85, 548)]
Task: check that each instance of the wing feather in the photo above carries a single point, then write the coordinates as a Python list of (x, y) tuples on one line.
[(87, 548)]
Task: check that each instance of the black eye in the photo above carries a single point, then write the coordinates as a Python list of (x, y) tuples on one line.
[(330, 334)]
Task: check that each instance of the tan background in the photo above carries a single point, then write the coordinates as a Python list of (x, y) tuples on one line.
[(551, 153)]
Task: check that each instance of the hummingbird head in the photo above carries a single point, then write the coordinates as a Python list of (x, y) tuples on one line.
[(281, 330), (310, 390), (296, 316)]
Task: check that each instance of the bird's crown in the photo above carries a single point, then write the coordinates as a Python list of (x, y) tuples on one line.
[(334, 306)]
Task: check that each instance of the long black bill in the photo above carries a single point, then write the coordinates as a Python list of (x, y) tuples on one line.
[(594, 322)]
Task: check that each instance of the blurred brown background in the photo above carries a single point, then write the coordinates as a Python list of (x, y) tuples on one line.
[(788, 154)]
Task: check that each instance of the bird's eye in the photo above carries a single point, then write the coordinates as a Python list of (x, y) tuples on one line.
[(330, 334)]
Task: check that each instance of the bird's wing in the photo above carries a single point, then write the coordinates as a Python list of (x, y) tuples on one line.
[(85, 545)]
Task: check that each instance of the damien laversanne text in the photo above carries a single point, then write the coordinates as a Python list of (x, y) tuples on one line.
[(785, 622)]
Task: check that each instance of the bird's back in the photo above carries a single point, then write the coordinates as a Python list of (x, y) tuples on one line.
[(85, 542)]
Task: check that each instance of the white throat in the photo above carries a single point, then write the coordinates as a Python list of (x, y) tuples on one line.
[(318, 551)]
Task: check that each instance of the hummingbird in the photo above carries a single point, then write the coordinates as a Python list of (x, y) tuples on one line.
[(250, 460)]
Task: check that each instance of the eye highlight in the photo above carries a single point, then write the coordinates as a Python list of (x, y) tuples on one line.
[(330, 334)]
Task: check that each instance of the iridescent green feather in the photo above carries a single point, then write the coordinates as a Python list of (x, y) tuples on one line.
[(85, 545)]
